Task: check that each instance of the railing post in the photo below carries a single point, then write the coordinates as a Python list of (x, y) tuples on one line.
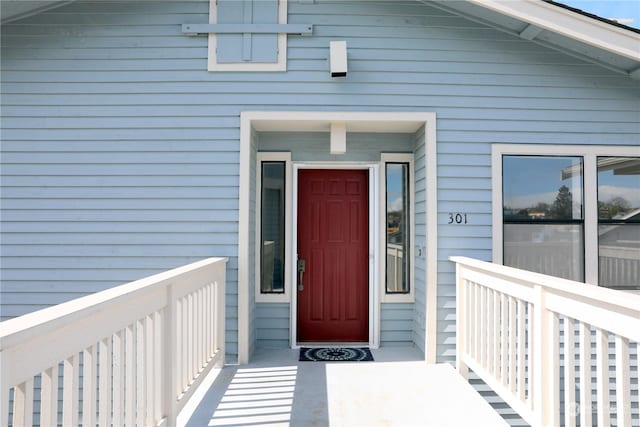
[(170, 376), (461, 321), (546, 373)]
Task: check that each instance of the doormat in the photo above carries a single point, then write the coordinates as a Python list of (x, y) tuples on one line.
[(333, 354)]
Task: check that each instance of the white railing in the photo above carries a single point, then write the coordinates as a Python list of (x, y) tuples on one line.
[(130, 355), (526, 334)]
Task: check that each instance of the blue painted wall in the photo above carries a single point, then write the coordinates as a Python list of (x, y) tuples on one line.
[(120, 152)]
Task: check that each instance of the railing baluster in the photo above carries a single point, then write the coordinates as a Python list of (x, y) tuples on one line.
[(602, 377), (149, 370), (513, 339), (105, 391), (123, 343), (130, 374), (23, 404), (89, 375), (70, 391), (141, 389), (496, 334), (585, 374), (477, 330), (569, 373), (158, 349), (489, 363), (623, 382), (118, 378), (521, 335), (482, 325), (504, 340), (49, 397)]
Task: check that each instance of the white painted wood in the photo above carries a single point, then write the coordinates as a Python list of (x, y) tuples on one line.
[(585, 374), (569, 373), (105, 391), (528, 341), (602, 378), (569, 24), (118, 377), (49, 397), (623, 386), (70, 391), (128, 365), (89, 375), (338, 138), (521, 336)]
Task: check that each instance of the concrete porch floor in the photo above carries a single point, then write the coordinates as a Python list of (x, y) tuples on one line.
[(398, 389)]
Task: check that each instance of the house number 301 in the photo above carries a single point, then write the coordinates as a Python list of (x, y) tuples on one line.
[(457, 218)]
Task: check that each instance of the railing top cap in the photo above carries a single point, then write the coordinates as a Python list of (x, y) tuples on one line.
[(52, 317), (528, 278)]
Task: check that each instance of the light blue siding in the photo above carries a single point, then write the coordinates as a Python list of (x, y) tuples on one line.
[(419, 241), (120, 152), (272, 325), (396, 324)]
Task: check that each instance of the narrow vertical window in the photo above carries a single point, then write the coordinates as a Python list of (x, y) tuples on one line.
[(543, 215), (272, 226), (397, 228), (619, 222)]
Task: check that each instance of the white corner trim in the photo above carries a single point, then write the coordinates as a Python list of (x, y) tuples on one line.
[(396, 158), (570, 24), (431, 184), (286, 296), (279, 65)]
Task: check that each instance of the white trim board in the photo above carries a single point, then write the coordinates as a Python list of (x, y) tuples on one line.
[(289, 121)]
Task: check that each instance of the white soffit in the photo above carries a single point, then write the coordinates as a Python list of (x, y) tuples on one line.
[(568, 23), (279, 121)]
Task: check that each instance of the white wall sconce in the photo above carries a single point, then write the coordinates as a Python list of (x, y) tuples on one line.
[(338, 58), (338, 140)]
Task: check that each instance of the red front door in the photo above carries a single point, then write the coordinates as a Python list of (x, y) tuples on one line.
[(333, 240)]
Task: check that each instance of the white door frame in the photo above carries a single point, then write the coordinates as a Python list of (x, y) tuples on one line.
[(252, 122), (374, 255)]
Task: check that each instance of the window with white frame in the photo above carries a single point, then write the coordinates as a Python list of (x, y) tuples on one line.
[(569, 211), (397, 216), (253, 51), (272, 227)]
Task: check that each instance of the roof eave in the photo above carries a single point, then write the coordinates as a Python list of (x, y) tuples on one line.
[(562, 21)]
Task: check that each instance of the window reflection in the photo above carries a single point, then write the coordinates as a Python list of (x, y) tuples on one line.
[(619, 222), (543, 215), (272, 227), (397, 221), (539, 188)]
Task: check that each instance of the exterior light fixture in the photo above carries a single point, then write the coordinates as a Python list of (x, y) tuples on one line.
[(338, 58)]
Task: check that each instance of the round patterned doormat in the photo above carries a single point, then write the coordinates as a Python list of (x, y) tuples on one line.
[(335, 354)]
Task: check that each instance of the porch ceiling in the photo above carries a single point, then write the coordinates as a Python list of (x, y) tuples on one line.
[(278, 121)]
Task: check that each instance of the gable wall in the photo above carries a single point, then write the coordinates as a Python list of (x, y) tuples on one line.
[(121, 152)]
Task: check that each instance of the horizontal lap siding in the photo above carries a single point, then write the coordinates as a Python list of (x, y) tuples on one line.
[(420, 241), (272, 322), (121, 151)]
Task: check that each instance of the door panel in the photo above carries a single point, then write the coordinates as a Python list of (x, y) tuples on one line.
[(333, 239)]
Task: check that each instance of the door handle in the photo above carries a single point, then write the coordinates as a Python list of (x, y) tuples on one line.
[(301, 269)]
